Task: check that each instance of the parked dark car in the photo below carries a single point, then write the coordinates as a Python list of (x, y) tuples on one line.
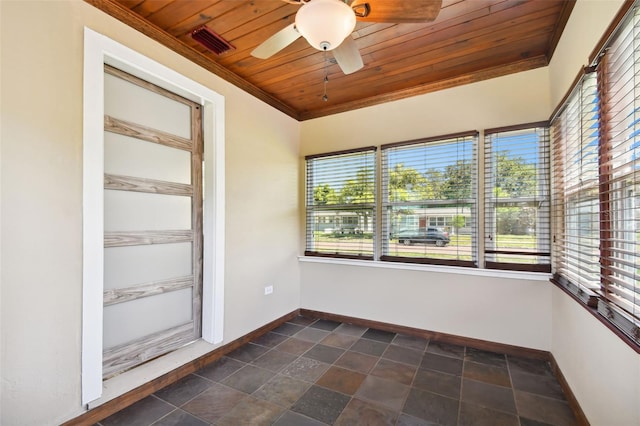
[(424, 236)]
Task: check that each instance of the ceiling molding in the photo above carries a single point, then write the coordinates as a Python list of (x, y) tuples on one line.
[(140, 24)]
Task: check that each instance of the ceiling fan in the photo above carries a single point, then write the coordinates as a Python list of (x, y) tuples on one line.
[(327, 25)]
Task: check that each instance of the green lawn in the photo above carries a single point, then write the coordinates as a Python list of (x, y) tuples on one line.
[(504, 241)]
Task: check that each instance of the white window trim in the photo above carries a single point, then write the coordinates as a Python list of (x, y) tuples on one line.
[(98, 50), (495, 273)]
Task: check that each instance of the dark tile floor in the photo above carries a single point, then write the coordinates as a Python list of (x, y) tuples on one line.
[(309, 372)]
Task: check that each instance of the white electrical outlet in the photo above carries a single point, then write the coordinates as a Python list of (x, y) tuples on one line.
[(268, 290)]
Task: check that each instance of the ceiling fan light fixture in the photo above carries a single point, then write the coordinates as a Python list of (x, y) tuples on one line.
[(325, 23)]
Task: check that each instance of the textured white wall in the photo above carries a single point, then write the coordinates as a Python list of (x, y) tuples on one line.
[(515, 312), (41, 205)]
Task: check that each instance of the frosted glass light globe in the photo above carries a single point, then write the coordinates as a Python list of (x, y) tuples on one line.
[(325, 23)]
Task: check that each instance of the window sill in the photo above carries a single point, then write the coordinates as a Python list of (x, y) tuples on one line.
[(516, 275)]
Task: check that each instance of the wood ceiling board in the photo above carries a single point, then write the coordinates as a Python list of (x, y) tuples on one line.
[(204, 17), (399, 60), (413, 57), (177, 11), (459, 80), (147, 7)]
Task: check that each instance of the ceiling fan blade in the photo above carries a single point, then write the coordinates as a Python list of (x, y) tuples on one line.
[(276, 42), (397, 11), (348, 56)]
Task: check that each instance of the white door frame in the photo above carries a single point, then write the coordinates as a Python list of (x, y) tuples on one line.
[(100, 50)]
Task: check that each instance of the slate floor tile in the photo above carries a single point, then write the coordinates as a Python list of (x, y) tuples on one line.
[(282, 390), (295, 346), (540, 385), (212, 404), (305, 369), (274, 360), (402, 354), (476, 415), (326, 325), (270, 339), (300, 320), (341, 380), (530, 366), (141, 413), (288, 329), (431, 407), (324, 353), (401, 373), (358, 413), (356, 361), (379, 335), (412, 342), (438, 382), (407, 420), (446, 349), (310, 372), (485, 357), (248, 379), (321, 404), (382, 391), (180, 418), (221, 369), (441, 363), (251, 411), (528, 422), (248, 352), (337, 340), (350, 329), (290, 418), (369, 347), (312, 334), (184, 389), (491, 396), (487, 373), (546, 410)]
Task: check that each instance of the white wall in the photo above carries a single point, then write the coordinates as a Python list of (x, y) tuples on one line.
[(603, 372), (41, 206), (504, 310)]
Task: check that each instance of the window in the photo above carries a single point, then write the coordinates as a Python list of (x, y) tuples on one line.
[(576, 237), (619, 180), (340, 204), (596, 138), (517, 198), (429, 200)]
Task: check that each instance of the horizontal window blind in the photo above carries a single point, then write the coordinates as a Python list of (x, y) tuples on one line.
[(429, 200), (575, 175), (340, 204), (619, 178), (517, 199)]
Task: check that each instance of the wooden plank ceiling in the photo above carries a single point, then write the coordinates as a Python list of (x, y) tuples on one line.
[(469, 41)]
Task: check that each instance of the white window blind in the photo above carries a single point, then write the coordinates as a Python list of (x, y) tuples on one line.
[(619, 76), (517, 199), (575, 190), (429, 200), (340, 202)]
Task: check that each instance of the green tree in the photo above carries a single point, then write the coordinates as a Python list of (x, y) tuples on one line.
[(514, 176), (359, 191), (457, 181), (407, 184), (324, 195), (458, 222)]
